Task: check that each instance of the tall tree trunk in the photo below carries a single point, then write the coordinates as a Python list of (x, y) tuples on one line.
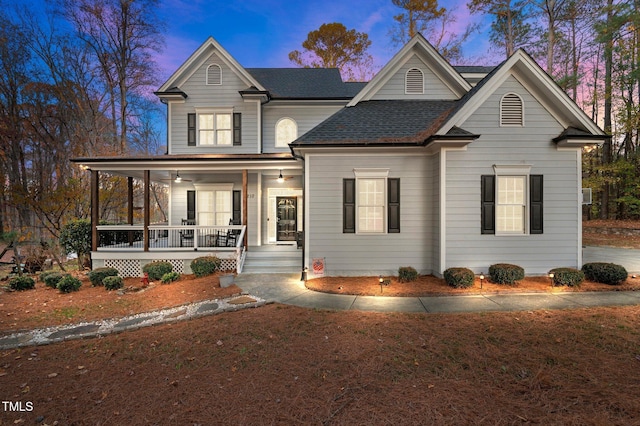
[(608, 89)]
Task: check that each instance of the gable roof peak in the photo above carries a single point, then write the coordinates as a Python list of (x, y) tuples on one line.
[(434, 60), (209, 46)]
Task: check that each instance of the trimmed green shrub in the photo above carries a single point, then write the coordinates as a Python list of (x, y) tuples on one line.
[(567, 276), (68, 284), (205, 265), (505, 273), (605, 273), (407, 274), (459, 277), (99, 274), (22, 283), (45, 274), (52, 280), (169, 277), (157, 269), (113, 282)]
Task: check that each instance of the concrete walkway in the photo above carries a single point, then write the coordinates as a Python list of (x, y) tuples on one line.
[(288, 289)]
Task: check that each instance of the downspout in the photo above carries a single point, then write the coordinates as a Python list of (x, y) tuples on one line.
[(304, 203)]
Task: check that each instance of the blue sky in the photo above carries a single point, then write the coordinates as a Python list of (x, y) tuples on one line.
[(261, 33)]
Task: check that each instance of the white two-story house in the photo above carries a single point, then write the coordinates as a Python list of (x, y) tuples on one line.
[(427, 165)]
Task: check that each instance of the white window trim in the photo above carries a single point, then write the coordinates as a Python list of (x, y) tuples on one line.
[(214, 111), (207, 75), (501, 108), (286, 145), (517, 170), (361, 174)]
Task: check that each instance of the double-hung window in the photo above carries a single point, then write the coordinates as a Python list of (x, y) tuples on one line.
[(371, 202), (512, 201), (214, 204), (214, 128)]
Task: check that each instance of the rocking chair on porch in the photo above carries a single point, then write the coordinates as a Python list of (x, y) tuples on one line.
[(187, 234)]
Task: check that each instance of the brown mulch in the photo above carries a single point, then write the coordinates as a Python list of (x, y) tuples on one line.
[(428, 285), (45, 306), (290, 365)]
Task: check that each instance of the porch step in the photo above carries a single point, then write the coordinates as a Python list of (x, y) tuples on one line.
[(272, 259)]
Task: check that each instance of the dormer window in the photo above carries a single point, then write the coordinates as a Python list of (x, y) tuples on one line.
[(214, 75), (414, 82), (511, 110)]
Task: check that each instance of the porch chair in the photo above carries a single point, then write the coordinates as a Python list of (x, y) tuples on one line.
[(187, 234)]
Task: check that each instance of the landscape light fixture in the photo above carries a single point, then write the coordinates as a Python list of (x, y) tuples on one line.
[(280, 178), (481, 279), (551, 275), (305, 272)]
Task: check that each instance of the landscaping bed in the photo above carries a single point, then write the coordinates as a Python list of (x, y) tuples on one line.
[(428, 285)]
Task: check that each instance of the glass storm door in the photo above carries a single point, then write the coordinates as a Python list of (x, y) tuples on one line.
[(287, 218)]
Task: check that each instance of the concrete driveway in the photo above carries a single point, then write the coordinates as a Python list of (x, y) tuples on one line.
[(629, 258)]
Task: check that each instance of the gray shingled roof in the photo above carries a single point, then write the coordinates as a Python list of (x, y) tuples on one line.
[(473, 69), (380, 122), (304, 83)]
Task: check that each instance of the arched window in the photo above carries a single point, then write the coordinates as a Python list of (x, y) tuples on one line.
[(214, 74), (511, 110), (286, 132), (414, 82)]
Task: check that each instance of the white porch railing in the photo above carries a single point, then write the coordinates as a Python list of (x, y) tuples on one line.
[(226, 241)]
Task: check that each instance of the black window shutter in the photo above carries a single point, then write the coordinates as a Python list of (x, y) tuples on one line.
[(488, 204), (191, 205), (535, 204), (393, 208), (237, 129), (348, 206), (237, 207), (191, 130)]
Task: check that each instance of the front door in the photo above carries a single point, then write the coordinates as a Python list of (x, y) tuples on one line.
[(287, 218)]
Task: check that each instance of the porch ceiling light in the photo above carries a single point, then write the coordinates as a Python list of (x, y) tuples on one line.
[(280, 178), (178, 178)]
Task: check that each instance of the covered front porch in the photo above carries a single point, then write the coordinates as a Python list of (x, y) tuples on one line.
[(222, 205)]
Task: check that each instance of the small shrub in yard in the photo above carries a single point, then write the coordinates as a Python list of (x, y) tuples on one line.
[(605, 273), (68, 284), (407, 274), (169, 277), (52, 279), (205, 265), (567, 276), (99, 274), (22, 283), (459, 277), (157, 269), (113, 282), (44, 275), (505, 273)]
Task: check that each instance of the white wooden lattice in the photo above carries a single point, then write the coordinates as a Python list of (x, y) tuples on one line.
[(125, 267), (228, 265)]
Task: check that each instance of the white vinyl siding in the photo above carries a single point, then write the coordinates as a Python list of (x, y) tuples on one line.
[(369, 253), (433, 87), (224, 97), (532, 146)]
